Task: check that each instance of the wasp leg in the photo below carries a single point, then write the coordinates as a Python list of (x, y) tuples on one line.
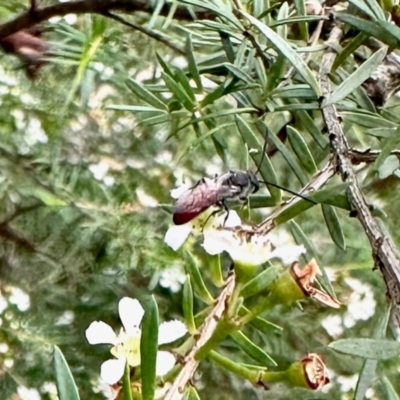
[(223, 205), (211, 215)]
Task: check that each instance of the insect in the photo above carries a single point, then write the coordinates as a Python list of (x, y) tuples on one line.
[(206, 193), (230, 186)]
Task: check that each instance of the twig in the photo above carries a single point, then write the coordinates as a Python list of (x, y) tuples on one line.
[(367, 156), (206, 331), (312, 42), (383, 249), (323, 176), (155, 35), (29, 19)]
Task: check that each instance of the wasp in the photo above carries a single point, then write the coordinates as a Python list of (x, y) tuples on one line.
[(214, 192), (206, 193)]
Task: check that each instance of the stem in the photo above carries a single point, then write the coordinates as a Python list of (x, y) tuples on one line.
[(233, 300), (266, 304), (126, 383), (232, 366), (223, 329)]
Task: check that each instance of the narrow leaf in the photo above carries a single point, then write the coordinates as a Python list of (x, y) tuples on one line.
[(301, 238), (376, 349), (367, 372), (389, 389), (349, 49), (362, 73), (301, 150), (287, 155), (195, 276), (126, 107), (191, 394), (266, 169), (252, 350), (310, 127), (333, 225), (66, 386), (179, 93), (148, 349), (192, 63), (188, 306), (285, 49), (145, 94), (260, 282)]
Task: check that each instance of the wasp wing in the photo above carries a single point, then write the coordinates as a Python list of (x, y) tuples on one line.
[(196, 200)]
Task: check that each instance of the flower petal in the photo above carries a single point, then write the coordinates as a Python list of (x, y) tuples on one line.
[(288, 254), (164, 363), (170, 331), (100, 333), (112, 371), (244, 247), (176, 235), (131, 314)]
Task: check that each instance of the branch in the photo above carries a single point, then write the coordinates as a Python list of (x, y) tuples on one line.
[(155, 35), (367, 156), (383, 249), (206, 331), (29, 18)]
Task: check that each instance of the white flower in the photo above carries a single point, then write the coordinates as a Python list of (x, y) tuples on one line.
[(245, 246), (172, 278), (126, 345)]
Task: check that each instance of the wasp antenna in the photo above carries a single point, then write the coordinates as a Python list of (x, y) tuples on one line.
[(290, 191), (264, 149)]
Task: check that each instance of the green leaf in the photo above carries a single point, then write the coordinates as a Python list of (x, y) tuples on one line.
[(262, 324), (333, 225), (260, 282), (301, 238), (310, 127), (389, 389), (388, 167), (389, 145), (223, 12), (179, 93), (239, 73), (287, 155), (227, 46), (367, 372), (376, 349), (301, 150), (188, 306), (127, 107), (166, 68), (184, 81), (301, 11), (294, 92), (145, 95), (367, 119), (374, 29), (283, 13), (191, 394), (266, 169), (348, 50), (126, 383), (195, 276), (66, 386), (362, 73), (192, 63), (148, 349), (298, 19), (252, 350), (287, 51), (363, 6)]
